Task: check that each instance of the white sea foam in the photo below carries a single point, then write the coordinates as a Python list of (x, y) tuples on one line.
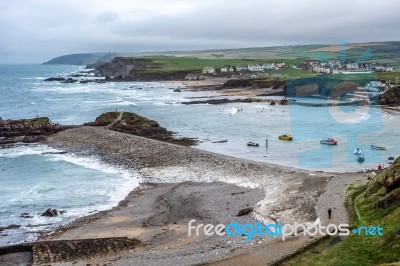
[(25, 150)]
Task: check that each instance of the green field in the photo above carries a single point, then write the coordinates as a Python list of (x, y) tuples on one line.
[(364, 250), (383, 52), (173, 63)]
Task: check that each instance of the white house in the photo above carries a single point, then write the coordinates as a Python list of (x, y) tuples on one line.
[(208, 70), (227, 68), (255, 68), (241, 68), (270, 67)]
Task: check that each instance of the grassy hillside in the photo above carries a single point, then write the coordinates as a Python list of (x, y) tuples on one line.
[(172, 63), (383, 52), (374, 203)]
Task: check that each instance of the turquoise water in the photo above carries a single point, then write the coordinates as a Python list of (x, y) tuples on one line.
[(32, 182)]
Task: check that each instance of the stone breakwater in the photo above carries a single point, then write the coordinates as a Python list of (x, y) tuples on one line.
[(291, 194)]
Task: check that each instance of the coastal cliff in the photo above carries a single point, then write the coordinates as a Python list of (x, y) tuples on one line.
[(135, 69), (26, 130)]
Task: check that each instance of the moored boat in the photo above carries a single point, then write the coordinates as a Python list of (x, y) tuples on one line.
[(252, 144), (360, 159), (285, 137), (377, 147), (390, 160), (329, 141), (358, 151)]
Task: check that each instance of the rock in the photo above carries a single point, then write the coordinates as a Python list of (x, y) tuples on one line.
[(26, 215), (177, 90), (244, 211), (26, 130), (12, 226), (397, 233), (284, 102), (50, 213), (135, 124), (225, 100), (55, 79), (272, 103), (70, 80), (54, 152)]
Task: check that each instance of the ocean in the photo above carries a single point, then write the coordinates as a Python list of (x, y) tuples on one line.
[(32, 181)]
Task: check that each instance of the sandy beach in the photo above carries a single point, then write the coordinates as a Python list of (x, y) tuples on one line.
[(215, 84), (180, 184)]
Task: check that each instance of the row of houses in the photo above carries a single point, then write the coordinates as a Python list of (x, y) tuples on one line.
[(336, 67), (252, 68)]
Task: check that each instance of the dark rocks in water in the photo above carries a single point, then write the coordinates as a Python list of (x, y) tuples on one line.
[(50, 213), (26, 130), (70, 80), (135, 124), (12, 226), (26, 215), (244, 211), (176, 90), (55, 79), (254, 83), (224, 101), (272, 103), (391, 97), (284, 101), (56, 152)]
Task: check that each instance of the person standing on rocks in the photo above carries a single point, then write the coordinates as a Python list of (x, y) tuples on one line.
[(329, 213)]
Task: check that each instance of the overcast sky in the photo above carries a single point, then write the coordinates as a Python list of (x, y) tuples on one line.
[(38, 30)]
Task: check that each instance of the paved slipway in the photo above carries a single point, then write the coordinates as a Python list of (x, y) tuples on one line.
[(171, 195)]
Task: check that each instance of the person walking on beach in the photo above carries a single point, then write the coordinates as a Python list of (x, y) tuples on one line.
[(329, 213)]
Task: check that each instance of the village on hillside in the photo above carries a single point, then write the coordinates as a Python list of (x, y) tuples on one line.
[(316, 66)]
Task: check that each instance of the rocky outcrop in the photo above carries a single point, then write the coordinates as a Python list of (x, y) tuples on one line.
[(391, 97), (72, 80), (244, 211), (135, 124), (225, 100), (134, 69), (385, 187), (255, 83), (50, 213), (26, 130)]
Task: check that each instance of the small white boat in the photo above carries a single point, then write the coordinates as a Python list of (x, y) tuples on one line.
[(377, 147), (358, 151), (252, 144), (390, 160), (329, 141)]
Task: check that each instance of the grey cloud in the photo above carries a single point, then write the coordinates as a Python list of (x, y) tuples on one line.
[(35, 31)]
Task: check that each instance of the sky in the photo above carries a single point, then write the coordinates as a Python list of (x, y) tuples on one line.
[(34, 31)]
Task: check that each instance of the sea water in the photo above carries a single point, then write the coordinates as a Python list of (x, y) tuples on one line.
[(33, 180)]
